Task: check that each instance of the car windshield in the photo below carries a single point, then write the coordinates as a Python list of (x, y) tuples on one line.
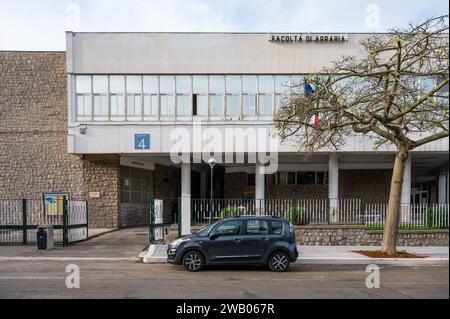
[(204, 231)]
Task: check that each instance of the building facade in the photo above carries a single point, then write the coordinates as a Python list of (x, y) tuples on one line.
[(120, 118)]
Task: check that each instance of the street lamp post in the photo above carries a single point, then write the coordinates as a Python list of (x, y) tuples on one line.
[(211, 163)]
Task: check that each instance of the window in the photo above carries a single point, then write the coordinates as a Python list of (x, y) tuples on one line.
[(134, 98), (230, 228), (183, 88), (136, 185), (117, 91), (216, 89), (166, 106), (167, 84), (183, 106), (233, 90), (216, 106), (250, 179), (84, 107), (276, 227), (100, 90), (306, 178), (150, 89), (265, 105), (257, 227), (249, 85), (200, 93), (322, 178), (291, 178), (83, 88)]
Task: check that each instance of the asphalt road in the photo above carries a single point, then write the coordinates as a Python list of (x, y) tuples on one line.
[(132, 279)]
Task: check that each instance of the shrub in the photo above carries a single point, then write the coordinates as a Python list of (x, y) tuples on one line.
[(297, 215), (230, 211)]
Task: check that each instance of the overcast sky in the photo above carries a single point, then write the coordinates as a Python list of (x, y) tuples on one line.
[(40, 24)]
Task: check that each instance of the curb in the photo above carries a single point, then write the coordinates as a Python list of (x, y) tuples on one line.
[(340, 261)]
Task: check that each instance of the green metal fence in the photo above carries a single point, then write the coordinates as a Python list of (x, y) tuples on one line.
[(19, 219)]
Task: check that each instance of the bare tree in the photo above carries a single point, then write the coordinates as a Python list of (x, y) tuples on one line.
[(395, 92)]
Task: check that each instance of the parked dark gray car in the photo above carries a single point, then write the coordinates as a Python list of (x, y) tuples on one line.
[(256, 240)]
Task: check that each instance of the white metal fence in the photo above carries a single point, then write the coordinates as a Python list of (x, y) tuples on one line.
[(348, 211), (411, 215)]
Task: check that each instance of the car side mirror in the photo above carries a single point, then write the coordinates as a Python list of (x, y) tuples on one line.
[(213, 236)]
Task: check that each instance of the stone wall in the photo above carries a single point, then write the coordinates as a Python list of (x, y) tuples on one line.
[(357, 235), (33, 138)]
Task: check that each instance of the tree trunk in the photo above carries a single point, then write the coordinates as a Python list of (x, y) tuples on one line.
[(393, 215)]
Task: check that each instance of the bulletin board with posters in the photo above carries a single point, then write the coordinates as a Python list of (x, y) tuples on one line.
[(53, 203)]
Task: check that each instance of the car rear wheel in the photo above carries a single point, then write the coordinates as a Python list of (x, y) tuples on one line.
[(193, 261), (279, 261)]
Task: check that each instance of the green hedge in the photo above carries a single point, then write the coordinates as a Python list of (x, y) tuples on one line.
[(297, 215), (230, 211)]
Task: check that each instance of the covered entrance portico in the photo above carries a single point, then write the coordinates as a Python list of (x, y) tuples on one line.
[(344, 182)]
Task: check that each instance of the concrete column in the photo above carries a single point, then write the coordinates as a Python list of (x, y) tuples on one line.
[(442, 188), (405, 209), (185, 198), (259, 187), (203, 184), (333, 185)]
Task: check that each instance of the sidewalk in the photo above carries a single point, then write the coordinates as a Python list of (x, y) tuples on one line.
[(337, 255)]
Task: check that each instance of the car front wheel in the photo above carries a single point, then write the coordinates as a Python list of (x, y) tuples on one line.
[(279, 261), (193, 261)]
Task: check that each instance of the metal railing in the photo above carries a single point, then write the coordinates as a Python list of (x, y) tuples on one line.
[(345, 211), (298, 211), (411, 215), (19, 219)]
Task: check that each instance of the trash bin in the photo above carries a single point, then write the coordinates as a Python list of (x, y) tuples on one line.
[(44, 238)]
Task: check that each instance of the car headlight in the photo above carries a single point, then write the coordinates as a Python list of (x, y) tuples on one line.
[(178, 241)]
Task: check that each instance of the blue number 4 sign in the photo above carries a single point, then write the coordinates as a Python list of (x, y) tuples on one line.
[(141, 141)]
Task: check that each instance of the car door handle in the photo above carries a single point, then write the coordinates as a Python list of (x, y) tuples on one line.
[(236, 240), (264, 238)]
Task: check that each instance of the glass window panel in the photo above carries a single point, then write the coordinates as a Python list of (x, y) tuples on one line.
[(265, 84), (183, 105), (216, 84), (251, 180), (249, 84), (167, 84), (166, 105), (230, 228), (134, 105), (100, 107), (265, 104), (202, 107), (248, 104), (150, 84), (296, 80), (233, 105), (183, 84), (200, 84), (216, 105), (257, 227), (281, 83), (117, 84), (233, 83), (278, 102), (306, 178), (291, 178), (84, 106), (117, 106), (100, 83), (134, 84), (83, 84), (151, 105)]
